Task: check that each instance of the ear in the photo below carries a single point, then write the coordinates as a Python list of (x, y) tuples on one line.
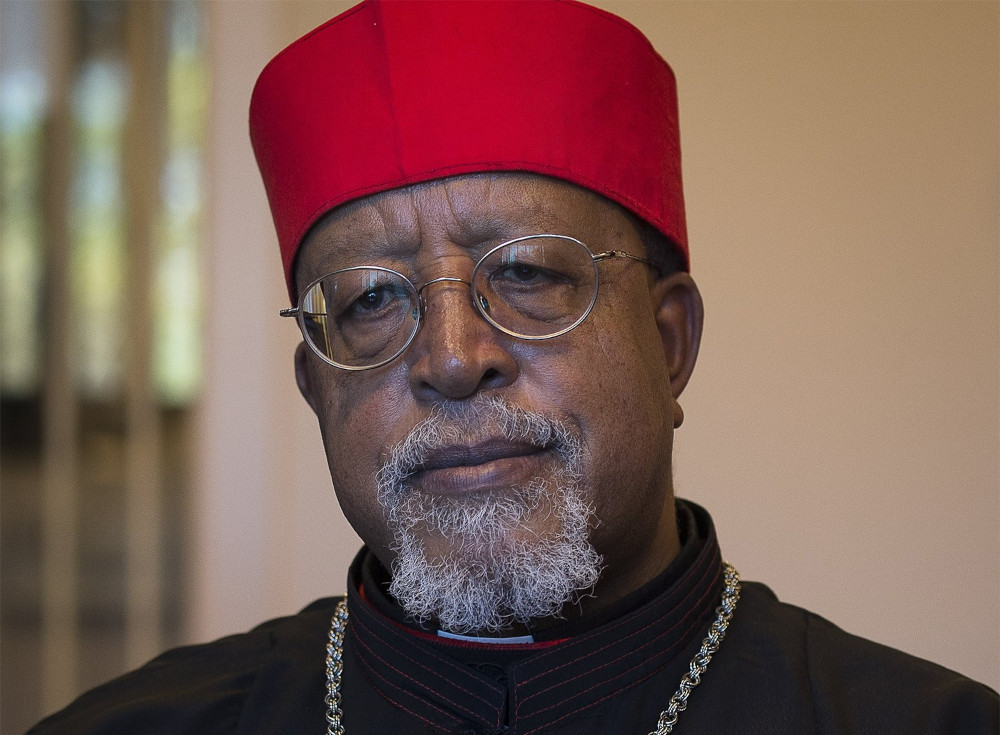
[(680, 315), (302, 375)]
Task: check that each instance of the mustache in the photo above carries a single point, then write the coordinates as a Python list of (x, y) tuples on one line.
[(484, 419)]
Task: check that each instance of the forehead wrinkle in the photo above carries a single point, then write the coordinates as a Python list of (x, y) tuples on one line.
[(556, 209), (480, 209), (345, 238), (469, 221), (488, 208), (441, 213), (455, 215), (414, 196)]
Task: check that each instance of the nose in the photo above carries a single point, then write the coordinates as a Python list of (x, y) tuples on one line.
[(456, 353)]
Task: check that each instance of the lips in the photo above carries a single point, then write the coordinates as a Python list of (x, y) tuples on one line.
[(479, 467)]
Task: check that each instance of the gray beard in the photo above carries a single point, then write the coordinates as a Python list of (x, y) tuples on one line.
[(497, 570)]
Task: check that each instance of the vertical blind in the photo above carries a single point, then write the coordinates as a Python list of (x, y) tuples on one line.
[(102, 118)]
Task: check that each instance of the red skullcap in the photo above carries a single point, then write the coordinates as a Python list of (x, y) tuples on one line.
[(395, 92)]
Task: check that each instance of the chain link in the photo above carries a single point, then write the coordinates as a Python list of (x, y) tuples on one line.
[(716, 632), (668, 718), (335, 669)]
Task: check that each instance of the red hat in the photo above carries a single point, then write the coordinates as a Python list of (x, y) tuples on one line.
[(395, 92)]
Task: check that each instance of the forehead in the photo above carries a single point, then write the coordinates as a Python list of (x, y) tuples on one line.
[(471, 211)]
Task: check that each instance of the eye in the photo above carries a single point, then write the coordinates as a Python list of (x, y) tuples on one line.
[(523, 274), (364, 294), (372, 301)]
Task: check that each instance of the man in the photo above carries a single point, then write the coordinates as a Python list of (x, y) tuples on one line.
[(480, 215)]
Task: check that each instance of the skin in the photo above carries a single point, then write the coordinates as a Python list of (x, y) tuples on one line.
[(617, 377)]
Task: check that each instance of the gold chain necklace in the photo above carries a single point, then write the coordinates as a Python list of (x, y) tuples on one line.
[(668, 718)]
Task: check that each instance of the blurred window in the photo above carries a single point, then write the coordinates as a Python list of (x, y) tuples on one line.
[(102, 124)]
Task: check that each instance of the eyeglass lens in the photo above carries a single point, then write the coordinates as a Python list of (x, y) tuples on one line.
[(534, 288)]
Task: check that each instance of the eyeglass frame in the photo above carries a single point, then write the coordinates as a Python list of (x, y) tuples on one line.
[(299, 314)]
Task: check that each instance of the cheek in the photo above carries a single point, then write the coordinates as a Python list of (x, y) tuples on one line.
[(356, 422), (626, 375), (628, 426), (632, 418)]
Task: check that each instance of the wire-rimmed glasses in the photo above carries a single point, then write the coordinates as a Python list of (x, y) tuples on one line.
[(534, 287)]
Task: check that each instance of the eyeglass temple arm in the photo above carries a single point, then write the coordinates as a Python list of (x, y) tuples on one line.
[(295, 311), (622, 254)]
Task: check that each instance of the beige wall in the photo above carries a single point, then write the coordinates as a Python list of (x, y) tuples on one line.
[(841, 167)]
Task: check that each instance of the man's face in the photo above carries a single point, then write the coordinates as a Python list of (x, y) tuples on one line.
[(607, 388)]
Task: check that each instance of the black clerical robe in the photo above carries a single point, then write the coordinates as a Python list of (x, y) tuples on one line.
[(780, 670)]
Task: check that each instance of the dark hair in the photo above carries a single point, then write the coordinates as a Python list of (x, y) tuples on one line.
[(662, 250)]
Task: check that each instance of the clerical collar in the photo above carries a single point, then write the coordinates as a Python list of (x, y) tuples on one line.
[(693, 530), (501, 641)]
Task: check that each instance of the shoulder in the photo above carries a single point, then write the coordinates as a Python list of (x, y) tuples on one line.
[(203, 688), (856, 685)]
